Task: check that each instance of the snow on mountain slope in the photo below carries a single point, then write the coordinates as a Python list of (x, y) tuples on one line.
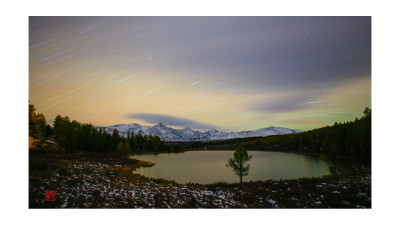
[(170, 134)]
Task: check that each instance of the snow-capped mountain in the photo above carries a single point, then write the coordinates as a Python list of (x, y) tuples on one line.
[(187, 134)]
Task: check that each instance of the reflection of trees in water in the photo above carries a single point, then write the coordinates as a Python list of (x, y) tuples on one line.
[(209, 166), (333, 170)]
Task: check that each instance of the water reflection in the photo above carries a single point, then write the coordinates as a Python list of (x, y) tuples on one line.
[(209, 166)]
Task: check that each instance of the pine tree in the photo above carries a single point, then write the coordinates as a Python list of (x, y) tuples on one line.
[(238, 163), (115, 139), (37, 124), (120, 147), (126, 147), (132, 142)]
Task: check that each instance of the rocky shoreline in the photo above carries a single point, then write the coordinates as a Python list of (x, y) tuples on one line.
[(104, 181)]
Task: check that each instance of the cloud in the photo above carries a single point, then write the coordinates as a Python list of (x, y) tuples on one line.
[(278, 105), (302, 122), (294, 50), (170, 120), (313, 102), (284, 104)]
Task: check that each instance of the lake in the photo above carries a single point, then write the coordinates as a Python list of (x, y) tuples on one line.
[(207, 167)]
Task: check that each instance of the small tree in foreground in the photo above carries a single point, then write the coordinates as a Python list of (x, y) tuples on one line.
[(238, 163)]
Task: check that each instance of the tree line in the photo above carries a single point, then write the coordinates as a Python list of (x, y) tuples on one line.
[(349, 140), (74, 136)]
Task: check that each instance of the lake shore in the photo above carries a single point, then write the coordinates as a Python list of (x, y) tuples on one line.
[(341, 166), (98, 180)]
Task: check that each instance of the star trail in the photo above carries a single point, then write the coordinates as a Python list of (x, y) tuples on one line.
[(229, 73)]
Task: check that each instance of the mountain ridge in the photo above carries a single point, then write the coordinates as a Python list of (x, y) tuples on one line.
[(187, 134)]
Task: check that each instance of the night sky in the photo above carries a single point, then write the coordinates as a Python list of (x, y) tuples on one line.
[(228, 73)]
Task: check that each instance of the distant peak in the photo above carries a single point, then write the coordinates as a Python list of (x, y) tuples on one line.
[(188, 134), (213, 130), (161, 125)]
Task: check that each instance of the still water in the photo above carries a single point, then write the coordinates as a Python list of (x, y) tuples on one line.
[(206, 167)]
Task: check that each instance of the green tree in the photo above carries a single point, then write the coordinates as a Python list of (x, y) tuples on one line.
[(37, 124), (238, 163), (120, 147), (115, 139), (367, 112), (60, 132), (132, 141), (127, 149)]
